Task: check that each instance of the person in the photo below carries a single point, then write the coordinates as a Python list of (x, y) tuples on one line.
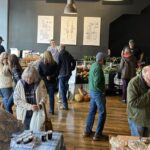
[(9, 126), (66, 64), (139, 55), (54, 50), (1, 46), (127, 69), (97, 98), (15, 67), (29, 93), (138, 104), (6, 83), (48, 71)]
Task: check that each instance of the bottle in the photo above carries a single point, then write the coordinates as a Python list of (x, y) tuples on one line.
[(49, 133)]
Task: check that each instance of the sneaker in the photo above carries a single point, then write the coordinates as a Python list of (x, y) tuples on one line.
[(86, 134), (59, 101), (63, 108), (100, 137), (124, 101), (51, 112)]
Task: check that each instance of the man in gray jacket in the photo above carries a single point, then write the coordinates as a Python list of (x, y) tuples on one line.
[(138, 104)]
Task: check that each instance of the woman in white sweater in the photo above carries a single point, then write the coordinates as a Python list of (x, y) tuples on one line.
[(6, 83), (29, 92)]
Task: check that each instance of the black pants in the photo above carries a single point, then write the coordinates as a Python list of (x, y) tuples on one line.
[(28, 120)]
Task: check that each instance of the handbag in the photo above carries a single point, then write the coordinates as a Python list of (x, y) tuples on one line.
[(47, 124)]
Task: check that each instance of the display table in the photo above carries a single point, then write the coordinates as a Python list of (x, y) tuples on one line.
[(56, 143), (122, 142)]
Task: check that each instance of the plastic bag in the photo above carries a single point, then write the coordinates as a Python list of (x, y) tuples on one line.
[(117, 80), (37, 120)]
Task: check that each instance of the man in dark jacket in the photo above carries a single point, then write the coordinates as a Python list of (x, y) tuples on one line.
[(1, 47), (66, 64), (139, 55), (138, 104)]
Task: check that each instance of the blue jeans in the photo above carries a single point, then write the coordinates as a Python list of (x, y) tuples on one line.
[(137, 130), (97, 102), (7, 95), (51, 92), (63, 88)]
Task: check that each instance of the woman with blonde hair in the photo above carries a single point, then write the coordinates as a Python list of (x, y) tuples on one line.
[(6, 83), (30, 92), (48, 72)]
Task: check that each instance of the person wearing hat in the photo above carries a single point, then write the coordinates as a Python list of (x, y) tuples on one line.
[(97, 99), (136, 51), (1, 46)]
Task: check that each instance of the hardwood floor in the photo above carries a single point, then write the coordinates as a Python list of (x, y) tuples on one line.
[(72, 123)]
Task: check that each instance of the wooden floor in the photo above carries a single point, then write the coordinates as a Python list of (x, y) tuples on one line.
[(72, 123)]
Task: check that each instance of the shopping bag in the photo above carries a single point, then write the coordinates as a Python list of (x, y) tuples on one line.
[(37, 120), (117, 79)]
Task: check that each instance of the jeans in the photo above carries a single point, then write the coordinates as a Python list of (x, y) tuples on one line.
[(51, 92), (63, 88), (7, 95), (97, 102), (137, 130)]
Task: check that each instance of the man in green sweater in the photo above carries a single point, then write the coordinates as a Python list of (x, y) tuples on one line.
[(97, 98), (138, 103)]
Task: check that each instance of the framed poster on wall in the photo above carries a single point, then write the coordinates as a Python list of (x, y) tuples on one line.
[(91, 34), (45, 29), (68, 30)]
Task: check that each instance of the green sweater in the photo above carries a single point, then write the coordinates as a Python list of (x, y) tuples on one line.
[(138, 101), (96, 78)]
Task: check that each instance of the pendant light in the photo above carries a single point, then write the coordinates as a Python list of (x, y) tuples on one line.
[(70, 7)]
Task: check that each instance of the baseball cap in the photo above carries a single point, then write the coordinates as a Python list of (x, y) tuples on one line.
[(1, 38), (99, 56)]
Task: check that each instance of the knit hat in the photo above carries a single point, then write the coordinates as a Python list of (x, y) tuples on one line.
[(99, 56)]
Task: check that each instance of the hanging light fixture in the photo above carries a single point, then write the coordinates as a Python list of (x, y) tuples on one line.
[(70, 7)]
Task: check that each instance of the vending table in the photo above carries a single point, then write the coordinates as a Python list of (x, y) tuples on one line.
[(56, 143)]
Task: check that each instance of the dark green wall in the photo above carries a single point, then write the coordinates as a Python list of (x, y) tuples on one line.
[(23, 22)]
